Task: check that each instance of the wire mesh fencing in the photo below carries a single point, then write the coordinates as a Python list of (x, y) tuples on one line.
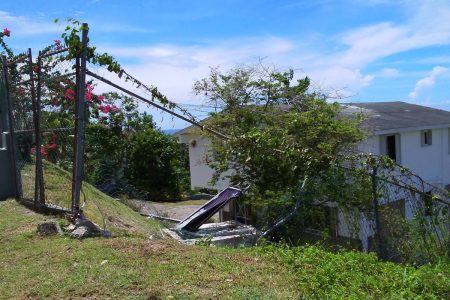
[(22, 104), (46, 110), (57, 98), (392, 212), (414, 220)]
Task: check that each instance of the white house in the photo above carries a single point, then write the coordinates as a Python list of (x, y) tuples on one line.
[(417, 137)]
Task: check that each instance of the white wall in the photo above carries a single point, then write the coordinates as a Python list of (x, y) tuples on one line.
[(432, 163), (201, 173), (370, 145)]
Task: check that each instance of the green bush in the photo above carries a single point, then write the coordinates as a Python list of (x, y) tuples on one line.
[(355, 275), (127, 154), (154, 164)]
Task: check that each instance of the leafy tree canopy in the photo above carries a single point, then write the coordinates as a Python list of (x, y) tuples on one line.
[(279, 130)]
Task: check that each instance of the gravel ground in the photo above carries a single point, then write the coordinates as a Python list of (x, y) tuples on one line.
[(173, 211)]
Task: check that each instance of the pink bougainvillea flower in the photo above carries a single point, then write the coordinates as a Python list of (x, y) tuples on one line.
[(88, 97), (6, 31), (101, 97), (103, 108), (89, 88), (58, 44), (106, 109), (114, 109), (88, 94), (43, 151), (69, 94)]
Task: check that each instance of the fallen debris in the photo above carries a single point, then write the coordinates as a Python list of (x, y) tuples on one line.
[(201, 215), (193, 230), (230, 233), (84, 228), (48, 228)]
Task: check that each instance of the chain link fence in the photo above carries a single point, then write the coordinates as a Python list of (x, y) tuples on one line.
[(23, 104), (46, 105), (392, 212), (413, 219), (57, 99)]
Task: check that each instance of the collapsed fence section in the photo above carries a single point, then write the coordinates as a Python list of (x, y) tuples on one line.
[(411, 219), (373, 206)]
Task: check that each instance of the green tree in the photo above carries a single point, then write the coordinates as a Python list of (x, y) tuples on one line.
[(154, 163), (280, 132), (127, 154)]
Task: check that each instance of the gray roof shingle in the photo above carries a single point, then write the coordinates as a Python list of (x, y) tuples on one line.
[(389, 117), (384, 117)]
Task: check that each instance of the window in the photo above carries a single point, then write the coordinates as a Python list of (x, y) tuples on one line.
[(426, 138), (428, 203), (391, 147)]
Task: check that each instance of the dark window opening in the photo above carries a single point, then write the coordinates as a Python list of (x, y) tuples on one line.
[(427, 138), (428, 203), (391, 149)]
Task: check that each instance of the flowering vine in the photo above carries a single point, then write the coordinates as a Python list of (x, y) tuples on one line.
[(71, 37), (6, 32)]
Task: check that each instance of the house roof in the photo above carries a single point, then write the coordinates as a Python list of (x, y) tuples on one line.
[(389, 117)]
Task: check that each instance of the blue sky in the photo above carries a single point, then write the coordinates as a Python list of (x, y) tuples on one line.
[(372, 50)]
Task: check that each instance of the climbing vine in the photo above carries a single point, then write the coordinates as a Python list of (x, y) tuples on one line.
[(72, 41)]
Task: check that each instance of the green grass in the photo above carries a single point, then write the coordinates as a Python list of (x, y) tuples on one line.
[(130, 266), (103, 210), (134, 267)]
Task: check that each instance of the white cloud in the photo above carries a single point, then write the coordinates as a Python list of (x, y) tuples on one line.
[(427, 81), (428, 26), (24, 26), (389, 73), (174, 68)]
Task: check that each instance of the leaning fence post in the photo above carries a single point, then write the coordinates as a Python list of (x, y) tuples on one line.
[(80, 119), (12, 138), (39, 168), (373, 177), (37, 185)]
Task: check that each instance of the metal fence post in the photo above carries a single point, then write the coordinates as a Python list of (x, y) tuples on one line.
[(12, 138), (80, 115), (39, 170), (33, 104), (373, 176)]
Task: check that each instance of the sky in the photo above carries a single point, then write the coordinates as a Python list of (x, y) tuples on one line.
[(360, 50)]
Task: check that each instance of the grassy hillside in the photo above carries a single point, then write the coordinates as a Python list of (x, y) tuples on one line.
[(134, 267), (131, 266), (97, 207)]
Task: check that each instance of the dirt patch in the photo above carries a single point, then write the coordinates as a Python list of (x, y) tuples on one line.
[(119, 223), (144, 248), (177, 211)]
